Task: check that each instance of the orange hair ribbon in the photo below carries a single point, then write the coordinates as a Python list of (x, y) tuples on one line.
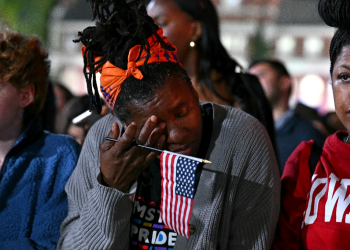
[(112, 77)]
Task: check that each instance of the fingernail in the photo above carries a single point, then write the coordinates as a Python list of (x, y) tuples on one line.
[(162, 125), (153, 119)]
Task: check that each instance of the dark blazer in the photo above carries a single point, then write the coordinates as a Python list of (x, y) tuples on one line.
[(293, 132)]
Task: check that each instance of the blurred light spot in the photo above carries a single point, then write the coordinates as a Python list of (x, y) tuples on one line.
[(313, 46), (311, 91), (285, 46), (231, 2)]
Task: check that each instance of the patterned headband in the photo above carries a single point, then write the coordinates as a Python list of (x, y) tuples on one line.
[(112, 77)]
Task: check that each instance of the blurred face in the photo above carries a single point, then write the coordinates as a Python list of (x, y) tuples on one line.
[(269, 80), (78, 133), (61, 98), (341, 86), (10, 106), (176, 24), (176, 104)]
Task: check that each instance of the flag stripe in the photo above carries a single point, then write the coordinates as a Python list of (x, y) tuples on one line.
[(177, 205), (187, 216), (174, 201), (172, 192), (183, 225), (168, 190), (163, 197), (169, 180)]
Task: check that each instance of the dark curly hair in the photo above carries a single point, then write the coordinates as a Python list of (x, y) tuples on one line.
[(121, 25), (23, 61), (134, 90), (335, 13)]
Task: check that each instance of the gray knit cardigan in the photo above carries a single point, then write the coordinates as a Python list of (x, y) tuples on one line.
[(236, 205)]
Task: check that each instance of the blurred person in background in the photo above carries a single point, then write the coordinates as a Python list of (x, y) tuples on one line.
[(34, 164), (315, 202), (76, 119), (312, 115), (193, 27), (291, 128), (62, 97)]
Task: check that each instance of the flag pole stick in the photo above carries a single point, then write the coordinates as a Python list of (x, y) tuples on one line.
[(159, 150)]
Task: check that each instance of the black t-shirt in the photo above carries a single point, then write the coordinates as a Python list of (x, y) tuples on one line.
[(147, 229)]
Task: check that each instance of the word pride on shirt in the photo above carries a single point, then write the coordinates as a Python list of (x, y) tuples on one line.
[(148, 230), (328, 200)]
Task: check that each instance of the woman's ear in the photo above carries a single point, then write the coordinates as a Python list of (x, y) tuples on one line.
[(285, 83), (27, 95), (197, 30)]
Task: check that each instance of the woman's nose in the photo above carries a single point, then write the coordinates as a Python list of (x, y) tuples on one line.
[(175, 134)]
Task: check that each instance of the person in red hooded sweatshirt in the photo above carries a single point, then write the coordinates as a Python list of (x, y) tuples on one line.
[(315, 204)]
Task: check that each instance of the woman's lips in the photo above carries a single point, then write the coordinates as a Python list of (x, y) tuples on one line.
[(186, 150)]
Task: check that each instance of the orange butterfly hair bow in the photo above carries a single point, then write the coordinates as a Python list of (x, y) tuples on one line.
[(112, 77)]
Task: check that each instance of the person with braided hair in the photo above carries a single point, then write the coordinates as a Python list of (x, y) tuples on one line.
[(115, 190), (34, 164), (315, 183)]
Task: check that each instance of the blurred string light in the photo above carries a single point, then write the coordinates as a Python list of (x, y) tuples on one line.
[(312, 91), (232, 2), (285, 46), (313, 46)]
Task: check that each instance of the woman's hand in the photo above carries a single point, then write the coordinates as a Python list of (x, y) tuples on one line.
[(121, 163)]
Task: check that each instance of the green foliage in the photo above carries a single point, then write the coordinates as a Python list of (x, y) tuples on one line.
[(260, 49), (27, 16)]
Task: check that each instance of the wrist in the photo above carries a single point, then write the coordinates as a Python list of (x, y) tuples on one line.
[(122, 188)]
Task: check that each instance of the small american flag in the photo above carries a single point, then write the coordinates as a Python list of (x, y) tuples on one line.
[(178, 177)]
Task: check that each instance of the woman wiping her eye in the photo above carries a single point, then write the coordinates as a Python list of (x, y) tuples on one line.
[(193, 27), (116, 191)]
